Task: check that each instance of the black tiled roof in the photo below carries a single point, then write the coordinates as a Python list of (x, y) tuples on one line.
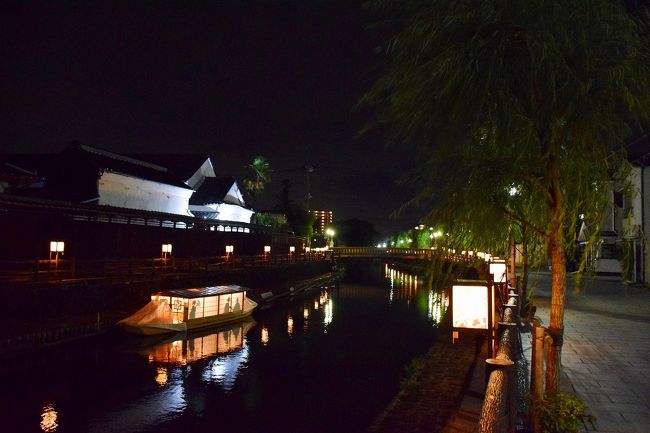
[(182, 165), (213, 190), (100, 159)]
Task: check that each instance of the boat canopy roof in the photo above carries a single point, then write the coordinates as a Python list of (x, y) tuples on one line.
[(199, 292)]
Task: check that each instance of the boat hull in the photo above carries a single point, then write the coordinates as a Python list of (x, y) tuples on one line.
[(157, 328)]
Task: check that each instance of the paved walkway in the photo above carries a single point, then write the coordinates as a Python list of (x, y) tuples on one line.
[(606, 354)]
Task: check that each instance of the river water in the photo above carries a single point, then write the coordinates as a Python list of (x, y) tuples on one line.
[(328, 360)]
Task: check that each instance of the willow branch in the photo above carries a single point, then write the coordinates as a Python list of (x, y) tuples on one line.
[(513, 216)]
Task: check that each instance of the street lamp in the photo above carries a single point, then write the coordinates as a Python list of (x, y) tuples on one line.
[(330, 234)]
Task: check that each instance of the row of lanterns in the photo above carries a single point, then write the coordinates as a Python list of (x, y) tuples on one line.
[(57, 248)]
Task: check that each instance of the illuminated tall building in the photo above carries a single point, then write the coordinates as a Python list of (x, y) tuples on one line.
[(323, 219)]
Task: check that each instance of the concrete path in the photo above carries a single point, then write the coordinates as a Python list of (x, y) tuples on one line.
[(606, 354)]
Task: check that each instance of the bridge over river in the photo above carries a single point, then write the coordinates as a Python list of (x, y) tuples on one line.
[(393, 253)]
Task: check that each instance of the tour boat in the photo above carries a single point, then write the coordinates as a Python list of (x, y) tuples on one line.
[(180, 310)]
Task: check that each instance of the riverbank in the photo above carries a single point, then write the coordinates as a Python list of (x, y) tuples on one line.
[(433, 394), (52, 314)]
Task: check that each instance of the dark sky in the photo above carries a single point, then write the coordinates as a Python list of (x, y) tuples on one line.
[(230, 79)]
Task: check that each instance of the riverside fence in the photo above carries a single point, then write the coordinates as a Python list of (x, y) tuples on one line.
[(29, 271), (505, 373)]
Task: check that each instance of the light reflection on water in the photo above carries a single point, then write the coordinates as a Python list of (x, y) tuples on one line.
[(49, 418), (249, 371), (224, 369), (146, 412), (404, 285)]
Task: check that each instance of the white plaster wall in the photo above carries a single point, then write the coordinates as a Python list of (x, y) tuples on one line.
[(230, 212), (133, 193)]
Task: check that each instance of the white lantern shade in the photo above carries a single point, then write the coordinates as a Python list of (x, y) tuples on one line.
[(498, 270), (470, 306), (57, 246)]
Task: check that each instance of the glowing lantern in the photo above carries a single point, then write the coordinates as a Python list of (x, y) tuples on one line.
[(499, 270), (56, 248), (267, 249), (470, 304)]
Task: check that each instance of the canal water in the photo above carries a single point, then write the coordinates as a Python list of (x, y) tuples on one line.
[(328, 360)]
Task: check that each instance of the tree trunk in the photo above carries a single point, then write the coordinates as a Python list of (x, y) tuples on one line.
[(558, 279), (524, 264)]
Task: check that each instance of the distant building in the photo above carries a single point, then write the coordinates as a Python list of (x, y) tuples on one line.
[(323, 219)]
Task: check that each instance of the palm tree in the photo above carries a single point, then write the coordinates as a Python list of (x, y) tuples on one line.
[(535, 93), (258, 174)]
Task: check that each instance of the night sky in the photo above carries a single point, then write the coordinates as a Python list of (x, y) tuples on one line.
[(230, 79)]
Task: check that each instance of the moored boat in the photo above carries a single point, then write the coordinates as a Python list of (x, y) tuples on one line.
[(180, 310)]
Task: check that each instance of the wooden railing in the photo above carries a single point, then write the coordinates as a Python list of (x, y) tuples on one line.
[(78, 269), (499, 409)]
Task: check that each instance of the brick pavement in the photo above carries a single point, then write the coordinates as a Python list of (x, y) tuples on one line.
[(606, 354)]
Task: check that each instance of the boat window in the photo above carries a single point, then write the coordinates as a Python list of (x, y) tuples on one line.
[(225, 304), (195, 308), (238, 302), (210, 306), (177, 305)]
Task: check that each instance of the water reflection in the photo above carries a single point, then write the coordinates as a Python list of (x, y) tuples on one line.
[(226, 350), (290, 325), (406, 286), (225, 369), (188, 348), (49, 418), (161, 376), (265, 335), (329, 312), (148, 411), (402, 284)]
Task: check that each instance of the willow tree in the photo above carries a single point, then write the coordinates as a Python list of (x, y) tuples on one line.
[(535, 95)]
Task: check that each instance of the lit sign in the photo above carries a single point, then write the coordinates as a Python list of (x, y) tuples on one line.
[(167, 248), (292, 249), (267, 249), (469, 305), (230, 249)]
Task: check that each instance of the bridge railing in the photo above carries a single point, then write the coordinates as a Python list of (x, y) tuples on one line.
[(426, 253)]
